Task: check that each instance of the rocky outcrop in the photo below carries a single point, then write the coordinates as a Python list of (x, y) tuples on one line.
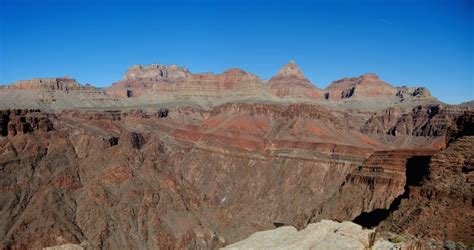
[(413, 92), (328, 234), (173, 81), (290, 69), (369, 90), (17, 121), (53, 94), (157, 71), (440, 206), (427, 121), (60, 83), (322, 235), (368, 85), (289, 82), (375, 186)]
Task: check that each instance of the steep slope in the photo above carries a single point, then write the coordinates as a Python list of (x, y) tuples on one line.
[(368, 91), (173, 82), (289, 82), (180, 176), (368, 85), (53, 94), (373, 187), (171, 159), (155, 86), (440, 206)]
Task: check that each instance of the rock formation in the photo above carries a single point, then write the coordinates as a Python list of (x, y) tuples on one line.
[(155, 84), (368, 85), (322, 235), (440, 206), (62, 83), (172, 159), (289, 82)]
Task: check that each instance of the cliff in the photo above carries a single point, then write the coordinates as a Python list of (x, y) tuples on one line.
[(167, 158)]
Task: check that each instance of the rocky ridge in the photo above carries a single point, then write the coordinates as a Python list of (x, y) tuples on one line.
[(155, 84)]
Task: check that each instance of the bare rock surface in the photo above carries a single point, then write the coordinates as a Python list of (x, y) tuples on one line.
[(157, 85), (290, 69), (185, 176), (322, 235), (166, 158), (368, 85), (290, 83), (65, 247), (440, 206)]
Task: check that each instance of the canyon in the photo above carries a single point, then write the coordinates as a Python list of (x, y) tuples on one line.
[(166, 158)]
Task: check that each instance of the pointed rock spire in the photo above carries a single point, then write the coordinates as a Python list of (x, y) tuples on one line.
[(290, 69)]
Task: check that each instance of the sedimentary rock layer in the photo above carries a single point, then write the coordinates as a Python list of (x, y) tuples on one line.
[(171, 159), (180, 176), (155, 85)]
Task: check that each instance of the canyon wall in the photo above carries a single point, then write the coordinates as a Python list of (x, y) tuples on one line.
[(185, 176), (172, 159)]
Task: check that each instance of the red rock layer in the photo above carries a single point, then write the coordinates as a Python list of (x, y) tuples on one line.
[(184, 176), (179, 81), (368, 85), (440, 207), (125, 179), (375, 184), (62, 83), (17, 121), (290, 82)]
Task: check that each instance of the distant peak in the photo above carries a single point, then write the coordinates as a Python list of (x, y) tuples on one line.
[(370, 76), (55, 83), (156, 70), (290, 69)]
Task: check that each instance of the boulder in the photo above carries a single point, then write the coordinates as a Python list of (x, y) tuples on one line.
[(325, 234)]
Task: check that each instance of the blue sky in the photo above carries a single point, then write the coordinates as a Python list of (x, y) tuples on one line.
[(415, 43)]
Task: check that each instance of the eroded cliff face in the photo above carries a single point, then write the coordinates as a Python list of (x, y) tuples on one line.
[(185, 176), (440, 206), (173, 81), (170, 85), (376, 187), (171, 159), (368, 85), (122, 179), (289, 82)]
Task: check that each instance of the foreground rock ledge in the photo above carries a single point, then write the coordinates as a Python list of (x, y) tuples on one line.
[(326, 234)]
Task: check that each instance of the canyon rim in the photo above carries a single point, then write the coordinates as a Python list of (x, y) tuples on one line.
[(166, 158)]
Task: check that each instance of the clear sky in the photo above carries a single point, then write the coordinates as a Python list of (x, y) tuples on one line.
[(415, 43)]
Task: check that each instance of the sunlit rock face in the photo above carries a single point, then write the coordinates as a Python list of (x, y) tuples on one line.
[(322, 235), (150, 85), (179, 159), (289, 82)]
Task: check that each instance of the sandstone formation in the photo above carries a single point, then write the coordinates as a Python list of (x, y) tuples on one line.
[(368, 85), (376, 186), (50, 94), (289, 82), (157, 85), (63, 83), (440, 206), (167, 158), (173, 82), (322, 235)]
